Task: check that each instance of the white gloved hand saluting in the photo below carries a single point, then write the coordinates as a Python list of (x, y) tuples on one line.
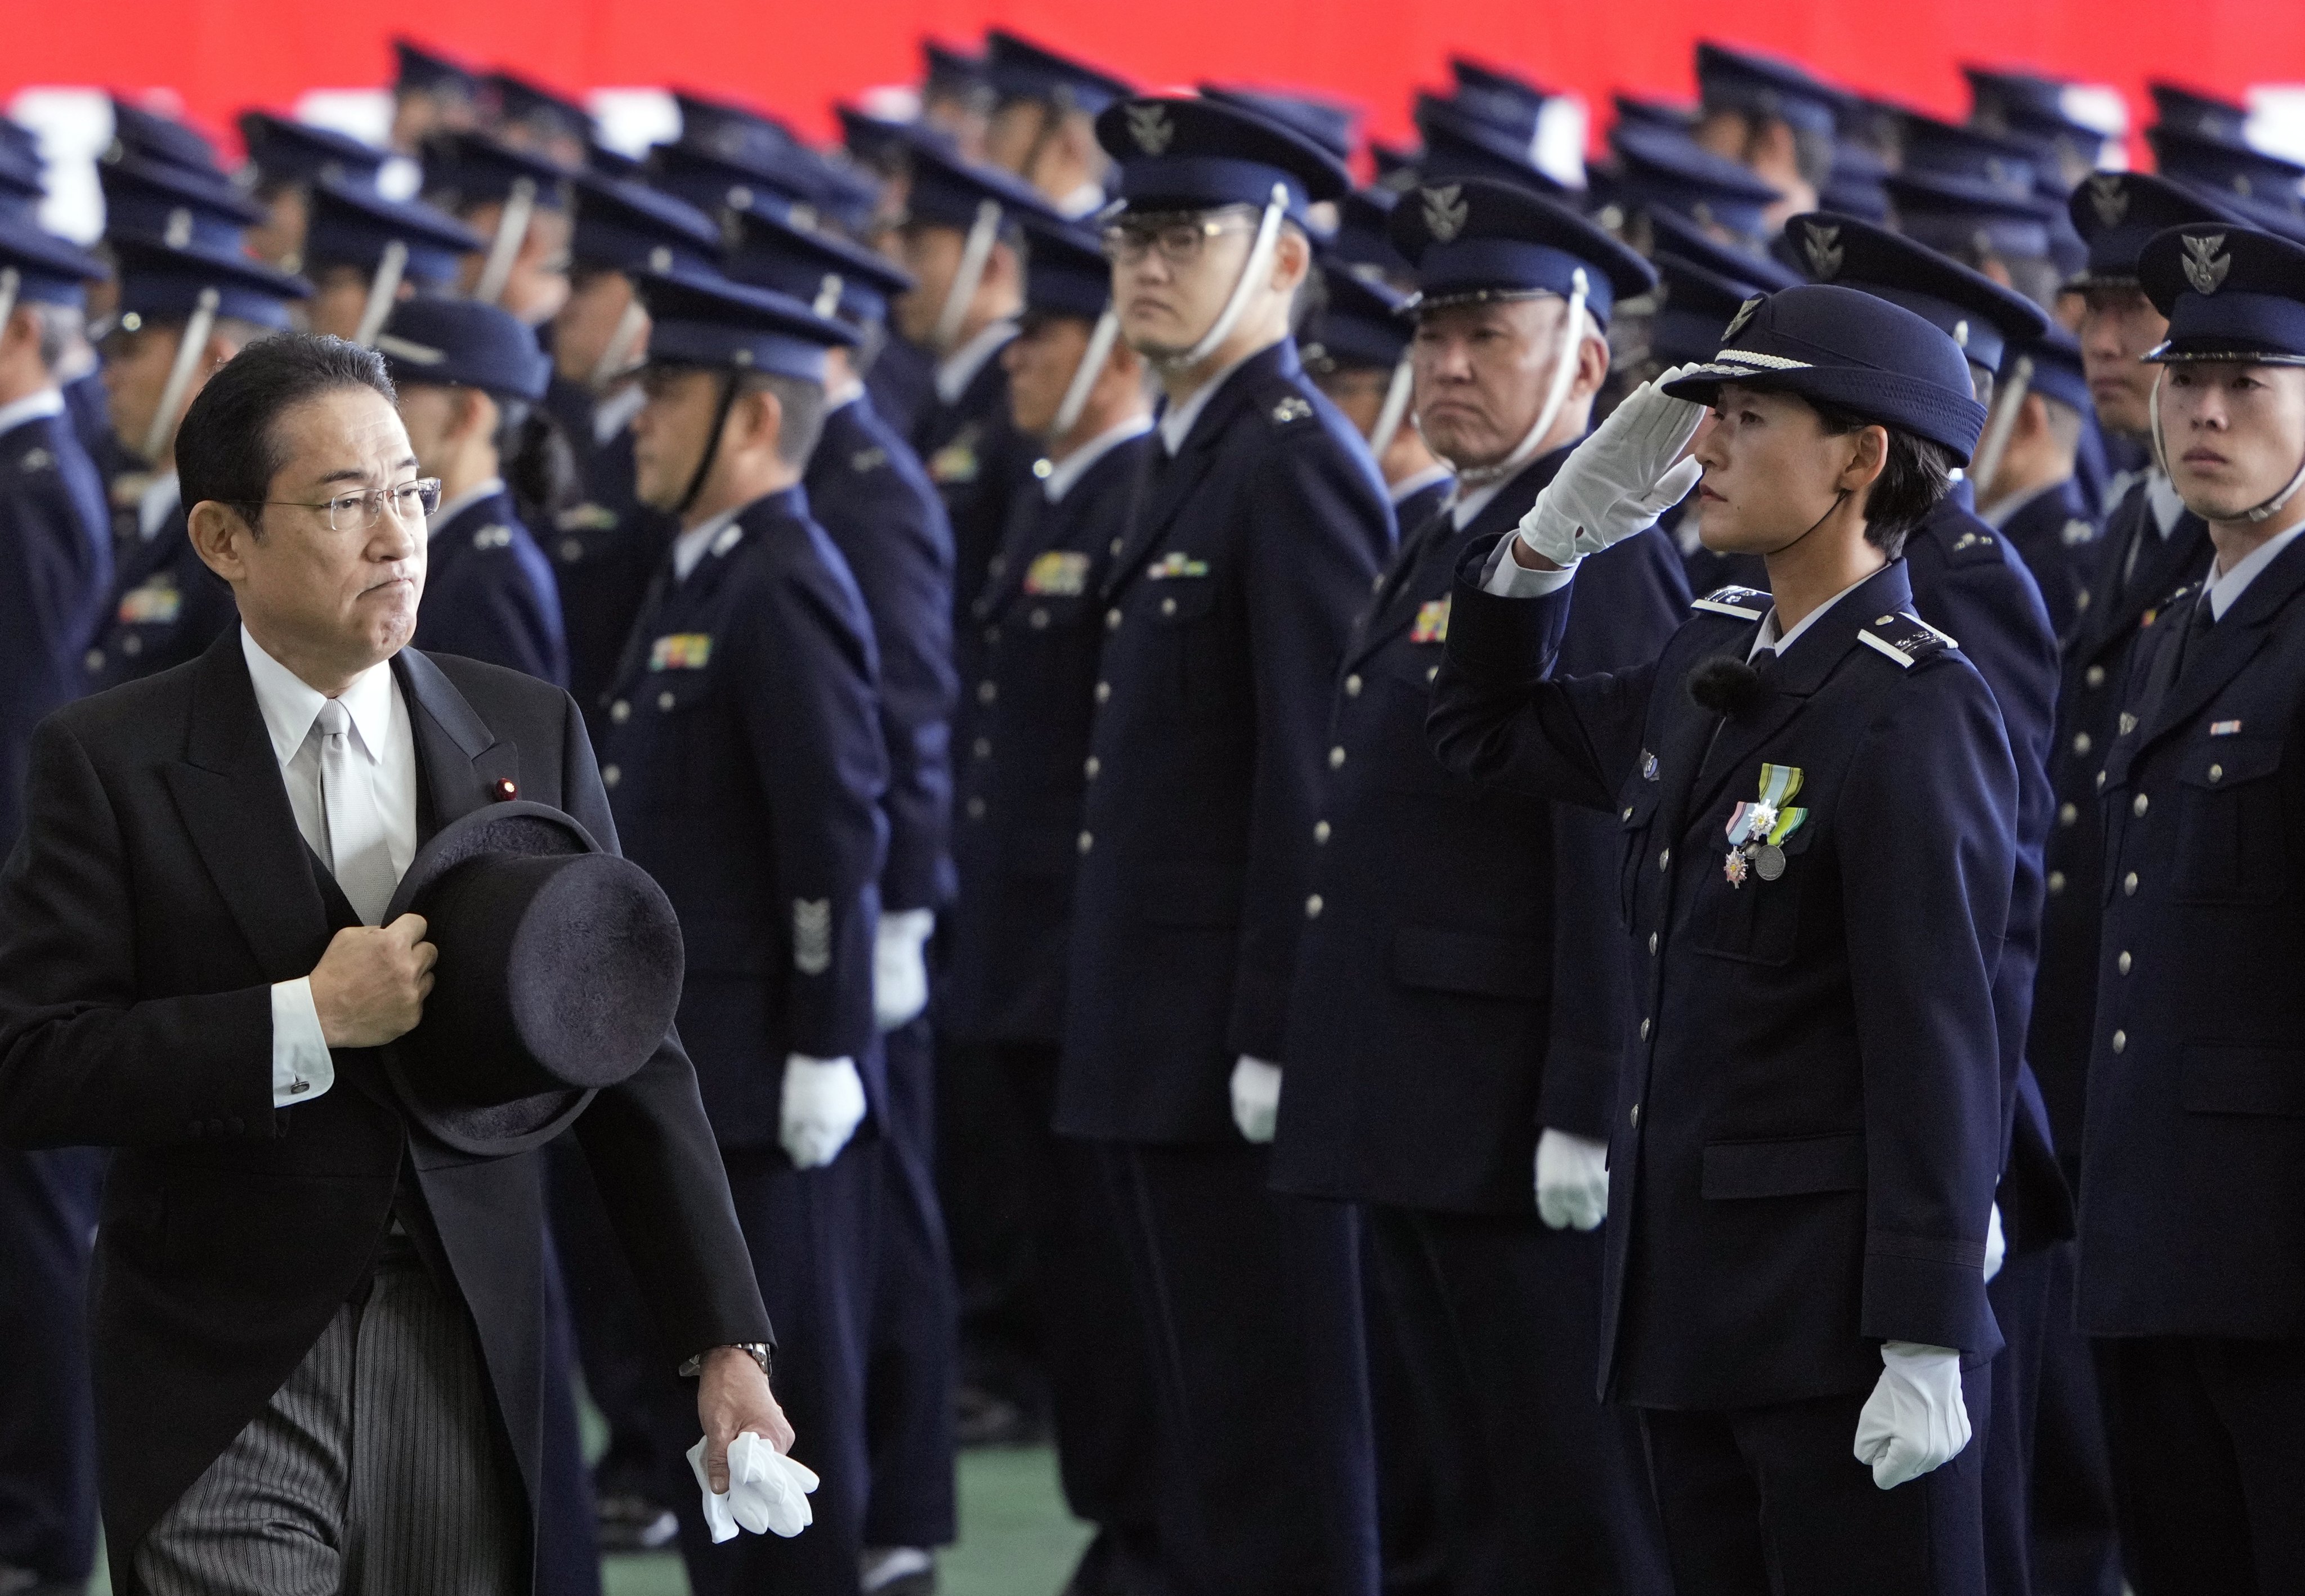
[(1916, 1420), (823, 1104), (1620, 479), (768, 1492), (901, 968), (1256, 1098), (1572, 1181)]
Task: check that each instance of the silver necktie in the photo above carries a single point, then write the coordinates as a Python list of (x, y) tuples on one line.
[(358, 853)]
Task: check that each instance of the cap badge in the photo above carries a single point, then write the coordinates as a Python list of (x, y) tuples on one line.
[(179, 231), (1744, 314), (1821, 245), (1961, 332), (2204, 267), (1151, 127), (1446, 212), (660, 258), (2109, 197), (828, 294)]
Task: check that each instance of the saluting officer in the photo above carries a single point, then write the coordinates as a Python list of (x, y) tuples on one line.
[(1079, 391), (2027, 488), (55, 572), (1258, 536), (1462, 1000), (184, 311), (866, 489), (1355, 351), (469, 377), (744, 758), (1808, 1126), (2192, 1248)]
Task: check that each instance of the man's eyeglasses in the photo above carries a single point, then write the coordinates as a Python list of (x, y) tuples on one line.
[(1180, 240), (410, 502)]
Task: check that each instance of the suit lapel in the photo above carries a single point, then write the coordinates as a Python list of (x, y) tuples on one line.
[(460, 758), (228, 790)]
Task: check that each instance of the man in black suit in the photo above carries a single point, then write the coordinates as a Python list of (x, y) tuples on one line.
[(317, 1332)]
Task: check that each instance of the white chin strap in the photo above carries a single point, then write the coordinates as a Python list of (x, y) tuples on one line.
[(975, 254), (622, 352), (2262, 513), (1564, 372), (1101, 340), (383, 289), (512, 232), (189, 345), (2006, 405), (10, 282), (1254, 270), (1394, 411)]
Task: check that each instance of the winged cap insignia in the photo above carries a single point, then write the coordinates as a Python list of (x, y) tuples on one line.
[(1744, 314), (2109, 197), (1446, 211), (2204, 267), (1821, 245), (1151, 127)]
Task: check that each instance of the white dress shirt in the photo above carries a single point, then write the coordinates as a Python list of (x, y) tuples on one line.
[(689, 548), (31, 407), (451, 508), (1176, 420), (384, 742), (1057, 480), (957, 369), (1417, 482), (2226, 587)]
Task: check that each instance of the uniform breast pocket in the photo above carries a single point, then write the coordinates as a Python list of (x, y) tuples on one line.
[(668, 708), (1182, 613), (2230, 843), (1757, 920)]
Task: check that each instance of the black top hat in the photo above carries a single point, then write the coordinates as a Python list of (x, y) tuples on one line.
[(559, 972)]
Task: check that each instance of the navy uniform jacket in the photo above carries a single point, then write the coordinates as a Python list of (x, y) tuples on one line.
[(603, 552), (489, 593), (1466, 984), (902, 381), (743, 761), (1022, 772), (2096, 670), (55, 574), (867, 490), (167, 607), (980, 463), (1413, 511), (2193, 1164), (1227, 612), (2057, 537), (1809, 1120)]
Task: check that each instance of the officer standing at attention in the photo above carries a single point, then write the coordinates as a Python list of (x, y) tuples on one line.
[(1259, 535), (866, 489), (184, 311), (55, 572), (2031, 448), (1355, 351), (1462, 1000), (2192, 1246), (1079, 392), (286, 159), (431, 94), (1043, 124), (365, 253), (1808, 1127), (469, 377), (518, 202), (743, 759)]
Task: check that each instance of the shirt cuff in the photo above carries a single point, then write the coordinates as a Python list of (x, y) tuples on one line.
[(1506, 577), (302, 1068)]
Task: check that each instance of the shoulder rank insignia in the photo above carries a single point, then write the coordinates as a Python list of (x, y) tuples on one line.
[(493, 536), (1432, 622), (1757, 829), (1293, 408), (866, 460), (35, 460), (1973, 545), (1169, 567), (1905, 638), (1060, 574), (2077, 532), (155, 604), (680, 651), (1746, 604), (586, 518)]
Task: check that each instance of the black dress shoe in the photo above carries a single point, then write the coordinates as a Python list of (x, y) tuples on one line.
[(635, 1523)]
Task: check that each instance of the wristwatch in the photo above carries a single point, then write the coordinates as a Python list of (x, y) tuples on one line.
[(760, 1351)]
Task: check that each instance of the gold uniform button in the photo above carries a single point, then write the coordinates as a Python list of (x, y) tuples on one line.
[(1167, 607), (1353, 686), (2120, 1042), (2080, 742), (1320, 831), (1115, 546), (665, 701), (2056, 881), (132, 645), (1432, 672), (2068, 814), (610, 775), (2129, 885), (2100, 781), (1093, 767), (976, 809), (2141, 806), (1637, 1116), (1103, 692), (2094, 675), (1113, 619), (1653, 944), (1629, 811), (1312, 907), (94, 659), (986, 691), (1039, 619), (982, 748), (620, 711), (1644, 1030), (2124, 963), (1664, 859), (1336, 756), (2216, 773), (1086, 842)]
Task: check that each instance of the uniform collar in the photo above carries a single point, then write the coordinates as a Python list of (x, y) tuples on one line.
[(957, 369), (456, 507), (1409, 487), (1768, 636), (2161, 501), (289, 705), (2001, 511), (1176, 420), (31, 407), (1064, 474), (2225, 588)]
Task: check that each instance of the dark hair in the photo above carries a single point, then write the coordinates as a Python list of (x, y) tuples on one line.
[(226, 449), (1916, 474), (539, 465)]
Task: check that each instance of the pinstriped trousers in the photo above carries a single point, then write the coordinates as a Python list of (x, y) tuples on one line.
[(375, 1470)]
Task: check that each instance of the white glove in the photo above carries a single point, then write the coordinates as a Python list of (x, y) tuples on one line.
[(767, 1490), (1256, 1098), (823, 1105), (900, 969), (1572, 1181), (1996, 1245), (1619, 479), (1915, 1421)]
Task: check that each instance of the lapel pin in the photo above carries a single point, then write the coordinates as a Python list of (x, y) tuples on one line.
[(505, 789)]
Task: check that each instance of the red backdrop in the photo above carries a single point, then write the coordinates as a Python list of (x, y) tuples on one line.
[(793, 58)]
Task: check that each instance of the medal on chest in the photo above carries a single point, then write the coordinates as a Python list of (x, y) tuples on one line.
[(1757, 828)]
